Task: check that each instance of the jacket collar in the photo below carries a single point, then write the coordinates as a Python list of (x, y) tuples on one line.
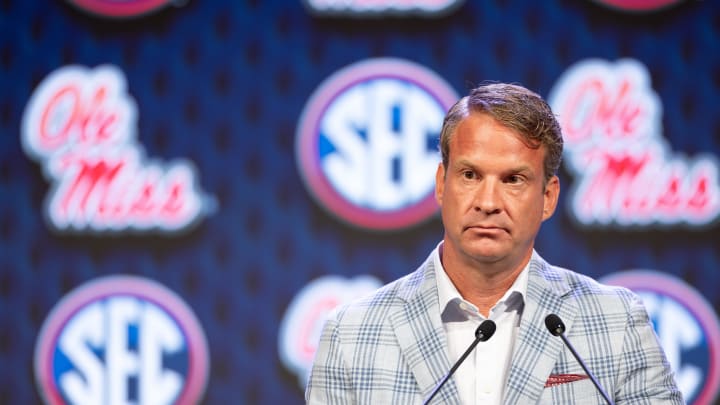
[(536, 350), (420, 332)]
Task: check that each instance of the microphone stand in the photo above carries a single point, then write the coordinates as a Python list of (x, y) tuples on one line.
[(557, 328), (482, 333)]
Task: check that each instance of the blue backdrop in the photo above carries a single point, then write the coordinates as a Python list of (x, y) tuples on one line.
[(223, 83)]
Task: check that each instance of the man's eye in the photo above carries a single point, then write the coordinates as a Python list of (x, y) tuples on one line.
[(514, 179), (468, 174)]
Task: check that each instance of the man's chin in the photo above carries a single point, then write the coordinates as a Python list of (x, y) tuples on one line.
[(486, 254)]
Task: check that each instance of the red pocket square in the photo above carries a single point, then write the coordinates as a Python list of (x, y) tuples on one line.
[(557, 379)]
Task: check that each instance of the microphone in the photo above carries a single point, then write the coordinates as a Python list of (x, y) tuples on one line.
[(482, 333), (557, 328)]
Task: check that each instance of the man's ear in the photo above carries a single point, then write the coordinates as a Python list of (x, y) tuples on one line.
[(439, 183), (552, 193)]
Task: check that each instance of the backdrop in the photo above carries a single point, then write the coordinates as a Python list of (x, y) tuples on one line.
[(186, 188)]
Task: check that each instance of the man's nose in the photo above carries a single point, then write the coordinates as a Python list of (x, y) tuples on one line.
[(487, 196)]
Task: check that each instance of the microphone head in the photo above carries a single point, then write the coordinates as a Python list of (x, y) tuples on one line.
[(555, 325), (485, 330)]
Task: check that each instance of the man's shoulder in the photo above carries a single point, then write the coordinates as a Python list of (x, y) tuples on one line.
[(379, 304), (582, 287)]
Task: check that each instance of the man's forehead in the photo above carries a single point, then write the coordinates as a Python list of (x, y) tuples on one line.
[(503, 129)]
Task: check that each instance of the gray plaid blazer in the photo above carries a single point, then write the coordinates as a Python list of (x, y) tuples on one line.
[(390, 347)]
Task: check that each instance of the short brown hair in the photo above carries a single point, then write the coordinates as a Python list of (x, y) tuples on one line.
[(514, 107)]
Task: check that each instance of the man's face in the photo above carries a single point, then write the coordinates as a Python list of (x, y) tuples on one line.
[(492, 195)]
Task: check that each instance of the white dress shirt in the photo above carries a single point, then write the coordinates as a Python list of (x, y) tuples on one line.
[(481, 378)]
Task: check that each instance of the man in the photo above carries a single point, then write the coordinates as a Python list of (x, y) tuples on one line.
[(501, 148)]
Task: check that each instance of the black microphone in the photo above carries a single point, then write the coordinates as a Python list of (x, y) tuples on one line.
[(557, 328), (482, 333)]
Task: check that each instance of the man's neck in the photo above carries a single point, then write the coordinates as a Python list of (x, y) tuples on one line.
[(483, 286)]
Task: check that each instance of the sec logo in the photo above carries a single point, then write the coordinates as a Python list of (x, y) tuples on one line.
[(687, 326), (120, 340), (366, 142)]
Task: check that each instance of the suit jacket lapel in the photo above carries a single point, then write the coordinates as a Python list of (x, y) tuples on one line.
[(536, 350), (420, 333)]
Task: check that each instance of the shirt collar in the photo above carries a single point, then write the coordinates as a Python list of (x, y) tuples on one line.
[(448, 293)]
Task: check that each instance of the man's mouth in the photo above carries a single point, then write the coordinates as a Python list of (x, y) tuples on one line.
[(487, 229)]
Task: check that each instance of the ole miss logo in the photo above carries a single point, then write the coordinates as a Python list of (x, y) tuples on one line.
[(305, 316), (121, 340), (627, 175), (367, 142), (80, 124)]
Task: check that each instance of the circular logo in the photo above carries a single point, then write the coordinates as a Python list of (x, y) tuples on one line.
[(121, 339), (304, 318), (638, 5), (367, 140), (123, 8), (687, 326)]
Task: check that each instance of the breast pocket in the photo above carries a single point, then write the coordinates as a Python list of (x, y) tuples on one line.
[(576, 392)]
